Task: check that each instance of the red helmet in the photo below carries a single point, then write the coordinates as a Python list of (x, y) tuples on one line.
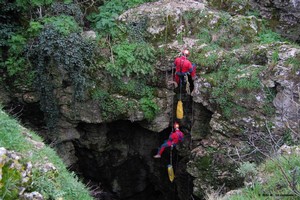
[(176, 125), (186, 52)]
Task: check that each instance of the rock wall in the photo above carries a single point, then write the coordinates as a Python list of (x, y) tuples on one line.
[(103, 148), (284, 16)]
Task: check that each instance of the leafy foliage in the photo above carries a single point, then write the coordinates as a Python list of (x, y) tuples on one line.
[(131, 58), (26, 4), (63, 24), (268, 36), (247, 168), (230, 81), (8, 23), (69, 9), (106, 19), (137, 95), (53, 51), (149, 108), (281, 177), (16, 66), (34, 28), (133, 88), (111, 107), (15, 63)]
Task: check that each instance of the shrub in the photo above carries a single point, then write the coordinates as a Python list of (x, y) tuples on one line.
[(247, 168), (30, 4), (112, 107), (294, 62), (17, 67), (63, 24), (106, 18), (149, 108), (130, 59), (267, 36), (133, 88)]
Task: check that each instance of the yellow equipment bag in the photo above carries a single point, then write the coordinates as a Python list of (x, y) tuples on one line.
[(171, 173), (179, 110)]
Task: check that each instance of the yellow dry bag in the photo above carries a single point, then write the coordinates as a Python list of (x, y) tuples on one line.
[(179, 110), (171, 173)]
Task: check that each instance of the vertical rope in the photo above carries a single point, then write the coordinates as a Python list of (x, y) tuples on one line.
[(180, 88), (172, 103), (171, 157), (192, 121)]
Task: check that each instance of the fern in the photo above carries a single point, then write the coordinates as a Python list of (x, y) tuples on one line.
[(106, 18), (131, 58)]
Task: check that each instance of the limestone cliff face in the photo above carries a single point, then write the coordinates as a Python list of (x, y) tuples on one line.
[(224, 118), (284, 15)]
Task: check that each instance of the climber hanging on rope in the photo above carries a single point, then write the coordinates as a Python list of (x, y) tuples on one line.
[(184, 68), (175, 137)]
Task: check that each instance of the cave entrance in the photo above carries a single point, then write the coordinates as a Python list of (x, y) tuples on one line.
[(117, 158)]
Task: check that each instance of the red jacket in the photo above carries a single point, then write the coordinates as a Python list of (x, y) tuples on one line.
[(175, 137), (183, 65)]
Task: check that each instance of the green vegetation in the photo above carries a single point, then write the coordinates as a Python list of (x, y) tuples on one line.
[(269, 108), (9, 187), (112, 107), (149, 108), (232, 82), (48, 50), (30, 4), (106, 18), (131, 59), (268, 36), (134, 88), (57, 53), (281, 177), (64, 24), (130, 55), (294, 62), (139, 96), (52, 184), (43, 48), (247, 169)]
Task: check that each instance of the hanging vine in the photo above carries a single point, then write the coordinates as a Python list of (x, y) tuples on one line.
[(53, 51)]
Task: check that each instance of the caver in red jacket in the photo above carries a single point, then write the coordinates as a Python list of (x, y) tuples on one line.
[(183, 67), (174, 138)]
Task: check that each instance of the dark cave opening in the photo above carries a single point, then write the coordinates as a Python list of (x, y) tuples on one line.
[(118, 156), (29, 114), (116, 159)]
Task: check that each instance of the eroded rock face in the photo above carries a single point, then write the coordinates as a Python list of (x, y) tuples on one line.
[(160, 12), (103, 148), (272, 109), (284, 16)]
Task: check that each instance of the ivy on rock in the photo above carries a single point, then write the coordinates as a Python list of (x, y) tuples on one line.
[(53, 54)]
